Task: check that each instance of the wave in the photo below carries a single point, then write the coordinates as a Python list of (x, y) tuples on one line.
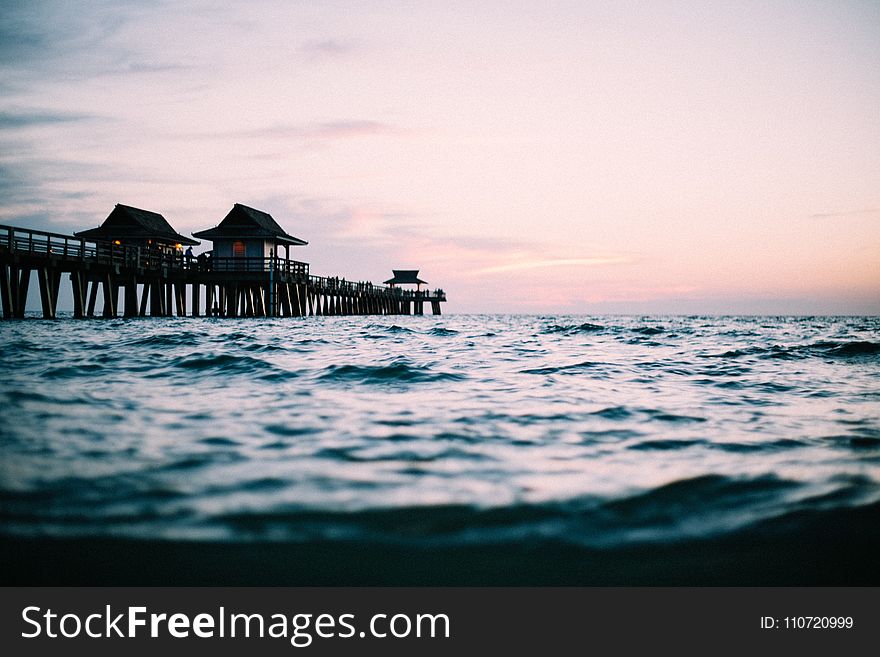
[(289, 430), (809, 547), (710, 529), (614, 413), (182, 339), (74, 371), (857, 348), (773, 445), (625, 413), (353, 455), (574, 367), (648, 330), (573, 328), (440, 330), (587, 520), (263, 348), (666, 445), (398, 371), (227, 364), (219, 441), (680, 500), (851, 349)]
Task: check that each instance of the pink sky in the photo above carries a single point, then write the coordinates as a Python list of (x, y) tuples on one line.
[(584, 157)]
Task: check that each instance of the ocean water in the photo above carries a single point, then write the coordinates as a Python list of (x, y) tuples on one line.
[(442, 450)]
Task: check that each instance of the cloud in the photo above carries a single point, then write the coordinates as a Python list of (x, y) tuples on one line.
[(324, 49), (46, 42), (351, 128), (305, 136), (847, 213), (555, 262), (321, 131), (18, 44), (24, 118)]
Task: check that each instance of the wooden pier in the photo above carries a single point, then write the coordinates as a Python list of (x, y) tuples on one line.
[(138, 281)]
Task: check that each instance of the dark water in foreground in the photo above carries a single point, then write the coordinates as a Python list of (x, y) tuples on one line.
[(460, 449)]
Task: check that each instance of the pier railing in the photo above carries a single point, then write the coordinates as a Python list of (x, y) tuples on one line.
[(25, 240), (44, 244), (352, 287), (240, 264), (38, 243)]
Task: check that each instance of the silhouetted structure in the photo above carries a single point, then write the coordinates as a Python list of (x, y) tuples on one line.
[(137, 251), (130, 226), (418, 298), (247, 233), (405, 277)]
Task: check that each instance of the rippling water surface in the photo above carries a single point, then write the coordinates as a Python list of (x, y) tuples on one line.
[(440, 433)]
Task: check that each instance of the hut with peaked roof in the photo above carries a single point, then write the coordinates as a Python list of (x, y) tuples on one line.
[(131, 226), (248, 233), (405, 277)]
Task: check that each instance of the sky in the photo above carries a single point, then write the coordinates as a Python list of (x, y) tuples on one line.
[(533, 157)]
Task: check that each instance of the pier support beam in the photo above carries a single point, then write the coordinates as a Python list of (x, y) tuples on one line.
[(49, 282), (110, 296), (157, 299), (209, 300), (131, 298), (145, 293), (301, 301), (169, 300), (6, 291), (223, 304), (180, 299), (232, 300), (283, 296), (78, 285), (263, 302), (21, 280), (93, 297), (247, 302)]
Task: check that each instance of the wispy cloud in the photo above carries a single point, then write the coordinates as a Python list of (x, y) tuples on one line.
[(44, 42), (324, 49), (329, 130), (846, 213), (351, 128), (307, 136), (24, 118), (554, 262)]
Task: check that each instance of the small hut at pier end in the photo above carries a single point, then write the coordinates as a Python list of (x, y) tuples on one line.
[(416, 297), (406, 277), (247, 236), (128, 226)]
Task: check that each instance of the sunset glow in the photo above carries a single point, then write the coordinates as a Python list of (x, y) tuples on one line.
[(584, 157)]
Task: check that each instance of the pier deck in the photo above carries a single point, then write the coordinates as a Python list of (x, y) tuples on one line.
[(156, 283)]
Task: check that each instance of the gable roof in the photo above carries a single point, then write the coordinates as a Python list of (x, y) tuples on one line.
[(244, 222), (127, 222), (405, 277)]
